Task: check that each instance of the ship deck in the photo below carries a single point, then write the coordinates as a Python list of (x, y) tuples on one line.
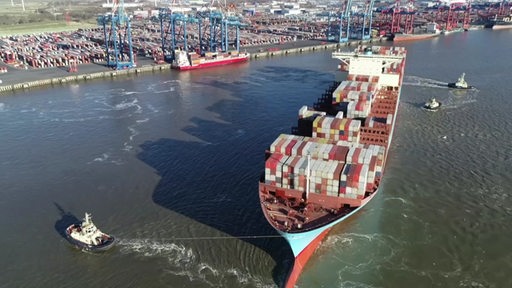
[(284, 208)]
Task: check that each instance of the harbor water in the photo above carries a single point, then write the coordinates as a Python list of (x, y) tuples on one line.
[(169, 163)]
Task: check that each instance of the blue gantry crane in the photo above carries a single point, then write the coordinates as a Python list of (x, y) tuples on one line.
[(365, 18), (118, 37), (343, 27), (345, 19), (219, 26), (173, 30), (213, 29), (328, 33), (231, 21)]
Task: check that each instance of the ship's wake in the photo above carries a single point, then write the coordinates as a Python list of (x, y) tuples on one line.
[(424, 82), (449, 97), (184, 261)]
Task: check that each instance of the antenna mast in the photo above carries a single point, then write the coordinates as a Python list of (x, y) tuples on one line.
[(308, 172)]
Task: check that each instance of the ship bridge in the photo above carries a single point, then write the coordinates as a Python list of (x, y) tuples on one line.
[(378, 61)]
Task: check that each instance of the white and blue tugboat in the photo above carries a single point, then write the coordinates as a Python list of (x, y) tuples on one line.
[(88, 237)]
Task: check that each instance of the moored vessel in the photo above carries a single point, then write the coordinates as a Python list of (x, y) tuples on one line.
[(430, 31), (499, 22), (88, 237), (184, 60), (333, 163)]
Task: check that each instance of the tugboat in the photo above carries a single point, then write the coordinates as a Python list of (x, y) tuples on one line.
[(460, 84), (432, 104), (88, 237)]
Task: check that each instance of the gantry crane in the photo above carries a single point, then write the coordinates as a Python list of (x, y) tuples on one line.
[(345, 17), (217, 25), (212, 31), (364, 21), (174, 25), (403, 15), (328, 32), (118, 37), (231, 21), (449, 14)]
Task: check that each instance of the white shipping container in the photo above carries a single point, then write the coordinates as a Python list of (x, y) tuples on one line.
[(389, 119), (360, 159), (274, 144)]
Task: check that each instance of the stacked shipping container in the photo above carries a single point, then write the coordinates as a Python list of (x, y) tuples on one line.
[(356, 95), (337, 128), (337, 168)]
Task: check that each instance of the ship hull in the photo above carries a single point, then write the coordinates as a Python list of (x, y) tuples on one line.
[(304, 244), (499, 23), (301, 240), (314, 158), (93, 248), (429, 108), (413, 37), (501, 26), (455, 86), (87, 247), (212, 63)]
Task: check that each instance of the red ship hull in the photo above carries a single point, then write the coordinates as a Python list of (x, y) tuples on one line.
[(303, 258), (413, 37), (213, 63)]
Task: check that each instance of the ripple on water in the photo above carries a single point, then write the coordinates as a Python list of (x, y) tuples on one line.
[(184, 261)]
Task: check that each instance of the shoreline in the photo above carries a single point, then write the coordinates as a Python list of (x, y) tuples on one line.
[(19, 79)]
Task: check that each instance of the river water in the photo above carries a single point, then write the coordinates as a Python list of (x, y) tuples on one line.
[(169, 163)]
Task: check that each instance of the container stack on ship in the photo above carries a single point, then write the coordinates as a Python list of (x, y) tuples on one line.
[(333, 162)]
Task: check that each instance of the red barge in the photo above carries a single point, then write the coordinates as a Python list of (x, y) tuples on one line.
[(184, 60)]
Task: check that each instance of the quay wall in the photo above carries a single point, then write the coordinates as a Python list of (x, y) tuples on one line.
[(161, 67), (84, 77), (319, 47)]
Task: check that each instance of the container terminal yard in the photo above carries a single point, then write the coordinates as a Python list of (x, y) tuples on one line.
[(138, 36)]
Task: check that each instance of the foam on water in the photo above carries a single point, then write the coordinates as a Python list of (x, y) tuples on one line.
[(103, 157), (183, 261), (396, 198), (424, 82), (354, 284), (164, 86), (152, 108), (107, 158)]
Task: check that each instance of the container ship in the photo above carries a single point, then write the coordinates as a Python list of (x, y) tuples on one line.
[(184, 60), (432, 30), (501, 22), (332, 163)]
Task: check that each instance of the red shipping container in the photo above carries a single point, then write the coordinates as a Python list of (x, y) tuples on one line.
[(273, 160), (288, 148), (332, 152), (337, 171), (355, 156), (373, 163), (357, 177), (300, 149), (302, 181), (279, 144)]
